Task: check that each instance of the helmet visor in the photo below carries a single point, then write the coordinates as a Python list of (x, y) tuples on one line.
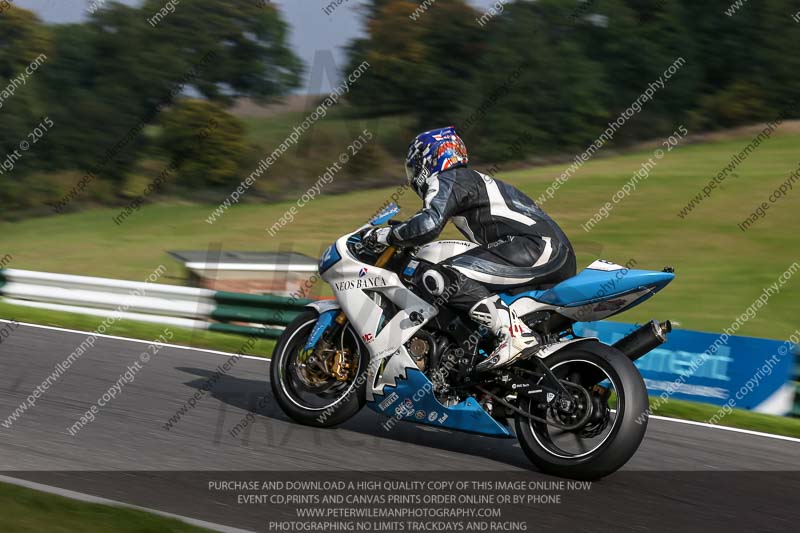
[(410, 173)]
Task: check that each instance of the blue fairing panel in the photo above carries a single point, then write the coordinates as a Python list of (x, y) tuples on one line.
[(329, 258), (412, 400), (595, 285)]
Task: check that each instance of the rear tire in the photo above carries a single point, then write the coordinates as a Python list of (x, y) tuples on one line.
[(338, 409), (626, 432)]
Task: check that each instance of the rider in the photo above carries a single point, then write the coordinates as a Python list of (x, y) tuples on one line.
[(519, 244)]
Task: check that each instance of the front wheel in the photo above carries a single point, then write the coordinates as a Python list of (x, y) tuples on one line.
[(322, 387), (615, 396)]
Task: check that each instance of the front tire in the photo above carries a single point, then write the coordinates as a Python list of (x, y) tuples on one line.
[(626, 412), (339, 402)]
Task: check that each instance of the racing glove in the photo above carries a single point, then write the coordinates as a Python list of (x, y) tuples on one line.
[(376, 238)]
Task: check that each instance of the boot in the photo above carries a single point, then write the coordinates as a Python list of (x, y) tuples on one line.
[(513, 336)]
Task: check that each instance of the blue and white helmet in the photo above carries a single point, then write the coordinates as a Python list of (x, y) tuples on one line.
[(432, 152)]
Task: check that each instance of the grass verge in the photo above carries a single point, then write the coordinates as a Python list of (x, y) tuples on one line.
[(737, 418), (26, 510), (138, 330)]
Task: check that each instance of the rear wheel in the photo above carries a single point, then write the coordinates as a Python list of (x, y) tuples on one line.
[(321, 387), (612, 391)]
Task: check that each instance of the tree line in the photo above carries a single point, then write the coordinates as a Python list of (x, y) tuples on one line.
[(122, 94), (135, 108), (563, 70)]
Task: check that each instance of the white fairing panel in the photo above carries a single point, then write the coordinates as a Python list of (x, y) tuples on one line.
[(395, 369), (356, 286), (602, 309), (526, 305), (607, 266), (437, 251), (581, 313)]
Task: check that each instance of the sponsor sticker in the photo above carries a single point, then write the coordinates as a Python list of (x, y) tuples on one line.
[(411, 267), (405, 409), (432, 416), (360, 283), (402, 410), (420, 415), (389, 400)]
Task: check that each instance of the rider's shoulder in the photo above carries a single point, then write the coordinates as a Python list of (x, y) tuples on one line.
[(460, 174)]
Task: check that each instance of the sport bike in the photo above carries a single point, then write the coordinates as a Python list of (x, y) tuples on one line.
[(579, 406)]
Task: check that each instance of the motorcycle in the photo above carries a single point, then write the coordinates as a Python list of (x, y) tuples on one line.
[(579, 406)]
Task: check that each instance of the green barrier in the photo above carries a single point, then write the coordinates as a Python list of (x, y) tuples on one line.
[(256, 308), (796, 410), (248, 331), (259, 300), (265, 312), (258, 315)]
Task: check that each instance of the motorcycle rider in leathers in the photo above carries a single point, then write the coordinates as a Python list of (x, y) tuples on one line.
[(518, 243)]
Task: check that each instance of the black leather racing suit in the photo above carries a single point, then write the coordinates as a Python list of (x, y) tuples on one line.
[(519, 244)]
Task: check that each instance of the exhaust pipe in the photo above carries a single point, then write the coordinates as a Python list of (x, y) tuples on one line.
[(644, 339)]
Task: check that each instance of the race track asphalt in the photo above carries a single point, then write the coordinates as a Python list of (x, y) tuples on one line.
[(693, 474)]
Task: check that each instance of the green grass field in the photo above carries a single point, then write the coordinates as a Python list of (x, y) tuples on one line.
[(720, 269), (30, 511)]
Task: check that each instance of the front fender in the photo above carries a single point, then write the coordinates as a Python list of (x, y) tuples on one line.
[(327, 310), (324, 305)]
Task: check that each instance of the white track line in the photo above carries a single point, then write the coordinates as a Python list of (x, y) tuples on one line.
[(227, 354), (140, 341), (88, 498), (726, 428)]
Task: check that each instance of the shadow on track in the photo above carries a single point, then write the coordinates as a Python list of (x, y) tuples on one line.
[(255, 396)]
